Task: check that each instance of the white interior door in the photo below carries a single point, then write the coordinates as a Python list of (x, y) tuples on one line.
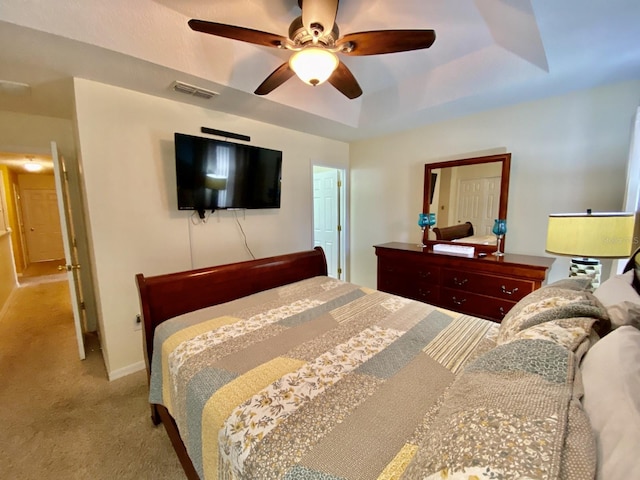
[(326, 217), (478, 202), (67, 240)]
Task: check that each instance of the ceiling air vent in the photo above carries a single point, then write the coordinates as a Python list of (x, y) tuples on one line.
[(192, 90)]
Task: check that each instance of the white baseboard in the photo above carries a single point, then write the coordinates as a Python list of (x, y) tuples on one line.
[(128, 370)]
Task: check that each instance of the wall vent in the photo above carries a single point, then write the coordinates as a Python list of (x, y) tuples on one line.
[(182, 87)]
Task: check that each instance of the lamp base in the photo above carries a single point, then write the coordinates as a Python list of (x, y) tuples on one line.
[(586, 267)]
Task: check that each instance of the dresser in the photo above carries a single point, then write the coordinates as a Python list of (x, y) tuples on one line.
[(485, 287)]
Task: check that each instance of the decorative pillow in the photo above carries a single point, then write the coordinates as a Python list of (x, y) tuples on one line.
[(611, 380), (620, 299), (565, 299), (617, 289), (568, 332)]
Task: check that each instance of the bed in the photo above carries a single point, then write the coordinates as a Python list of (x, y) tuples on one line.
[(271, 369), (453, 232)]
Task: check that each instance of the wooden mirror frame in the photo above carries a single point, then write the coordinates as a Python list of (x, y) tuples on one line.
[(504, 158)]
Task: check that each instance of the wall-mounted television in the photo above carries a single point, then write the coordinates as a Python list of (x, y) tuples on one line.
[(215, 174)]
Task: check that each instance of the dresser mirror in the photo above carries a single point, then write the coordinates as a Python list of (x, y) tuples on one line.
[(467, 195)]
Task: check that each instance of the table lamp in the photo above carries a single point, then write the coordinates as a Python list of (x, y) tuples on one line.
[(589, 236)]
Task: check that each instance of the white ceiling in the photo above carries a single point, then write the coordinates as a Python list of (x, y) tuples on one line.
[(487, 54)]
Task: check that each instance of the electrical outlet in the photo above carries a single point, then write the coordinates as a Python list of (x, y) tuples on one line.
[(137, 323)]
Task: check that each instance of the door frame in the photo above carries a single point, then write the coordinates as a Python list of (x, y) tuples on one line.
[(343, 213)]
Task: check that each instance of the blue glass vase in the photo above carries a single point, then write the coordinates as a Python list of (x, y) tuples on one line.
[(425, 220), (499, 230)]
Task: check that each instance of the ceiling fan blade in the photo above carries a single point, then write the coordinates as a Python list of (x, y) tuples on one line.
[(318, 12), (277, 78), (386, 41), (345, 82), (238, 33)]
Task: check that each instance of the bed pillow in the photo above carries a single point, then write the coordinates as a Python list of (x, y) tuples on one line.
[(611, 380), (620, 299), (565, 299)]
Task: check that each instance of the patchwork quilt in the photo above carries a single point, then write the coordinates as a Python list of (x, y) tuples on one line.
[(322, 379)]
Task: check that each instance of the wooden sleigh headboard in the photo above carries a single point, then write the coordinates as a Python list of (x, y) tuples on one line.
[(166, 296)]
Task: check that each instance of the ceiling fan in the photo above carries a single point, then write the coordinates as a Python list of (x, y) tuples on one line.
[(315, 38)]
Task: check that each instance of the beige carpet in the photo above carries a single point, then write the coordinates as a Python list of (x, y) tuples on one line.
[(60, 418)]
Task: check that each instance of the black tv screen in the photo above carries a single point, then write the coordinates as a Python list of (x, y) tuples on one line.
[(214, 174)]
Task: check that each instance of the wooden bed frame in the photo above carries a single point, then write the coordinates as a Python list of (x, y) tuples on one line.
[(165, 296), (454, 232)]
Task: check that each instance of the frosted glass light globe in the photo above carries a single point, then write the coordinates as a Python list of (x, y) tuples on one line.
[(314, 65)]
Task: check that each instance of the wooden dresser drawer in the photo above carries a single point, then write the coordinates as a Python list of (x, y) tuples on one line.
[(426, 292), (474, 304), (397, 285), (411, 271), (411, 284), (512, 289)]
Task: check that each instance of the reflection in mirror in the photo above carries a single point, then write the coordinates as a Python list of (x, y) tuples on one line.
[(467, 196)]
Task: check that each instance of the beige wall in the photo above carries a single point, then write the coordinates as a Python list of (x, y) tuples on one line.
[(127, 157), (22, 133), (569, 153), (8, 281)]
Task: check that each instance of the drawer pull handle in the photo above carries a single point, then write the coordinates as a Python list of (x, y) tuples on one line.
[(458, 302), (424, 274), (502, 312), (460, 282), (424, 293), (508, 292)]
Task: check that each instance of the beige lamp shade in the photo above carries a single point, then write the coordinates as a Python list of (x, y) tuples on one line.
[(596, 235)]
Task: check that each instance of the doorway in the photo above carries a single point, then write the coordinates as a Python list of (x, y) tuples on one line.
[(30, 201), (329, 217), (34, 210)]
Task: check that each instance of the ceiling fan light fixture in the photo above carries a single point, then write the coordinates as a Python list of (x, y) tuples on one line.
[(314, 65)]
